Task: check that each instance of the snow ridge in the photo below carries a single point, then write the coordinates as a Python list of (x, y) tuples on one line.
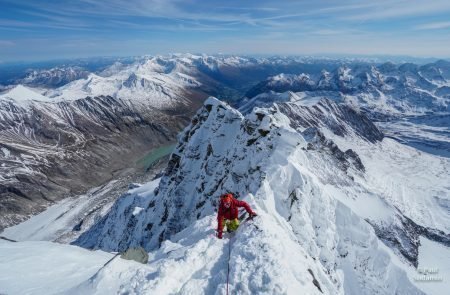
[(284, 168)]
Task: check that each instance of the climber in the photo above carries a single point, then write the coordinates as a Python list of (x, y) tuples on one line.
[(228, 213)]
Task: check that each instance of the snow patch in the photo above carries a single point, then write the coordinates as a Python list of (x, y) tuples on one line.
[(137, 210)]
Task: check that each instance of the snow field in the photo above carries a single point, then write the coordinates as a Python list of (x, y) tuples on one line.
[(45, 267)]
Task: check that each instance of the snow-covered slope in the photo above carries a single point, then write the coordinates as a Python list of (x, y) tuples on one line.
[(193, 262), (156, 81), (21, 95), (45, 268), (315, 196)]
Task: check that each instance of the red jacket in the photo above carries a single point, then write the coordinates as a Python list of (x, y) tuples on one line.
[(230, 213)]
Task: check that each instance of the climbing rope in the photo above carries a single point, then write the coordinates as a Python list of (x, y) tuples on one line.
[(9, 240), (228, 267), (103, 266), (229, 249)]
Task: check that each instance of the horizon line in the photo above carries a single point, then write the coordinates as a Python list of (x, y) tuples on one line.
[(255, 55)]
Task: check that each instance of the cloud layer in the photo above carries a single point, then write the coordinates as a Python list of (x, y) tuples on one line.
[(117, 27)]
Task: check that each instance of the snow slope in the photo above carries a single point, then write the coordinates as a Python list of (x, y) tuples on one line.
[(430, 133), (195, 262), (66, 217), (45, 268), (23, 95)]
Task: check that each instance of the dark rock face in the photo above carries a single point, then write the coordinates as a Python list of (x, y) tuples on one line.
[(404, 237), (339, 118), (49, 151), (317, 141)]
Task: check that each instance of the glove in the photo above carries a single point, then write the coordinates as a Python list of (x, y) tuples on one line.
[(219, 235), (253, 214)]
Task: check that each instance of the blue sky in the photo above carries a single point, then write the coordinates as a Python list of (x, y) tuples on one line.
[(50, 29)]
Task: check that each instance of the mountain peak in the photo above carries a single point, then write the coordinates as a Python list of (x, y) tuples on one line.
[(21, 93)]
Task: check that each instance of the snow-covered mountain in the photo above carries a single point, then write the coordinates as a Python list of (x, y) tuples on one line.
[(156, 82), (150, 74), (54, 77), (48, 138), (386, 89), (324, 181)]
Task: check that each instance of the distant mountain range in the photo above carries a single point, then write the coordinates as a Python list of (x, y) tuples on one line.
[(386, 89)]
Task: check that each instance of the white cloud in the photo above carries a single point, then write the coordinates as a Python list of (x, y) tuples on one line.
[(434, 26), (7, 43), (398, 8)]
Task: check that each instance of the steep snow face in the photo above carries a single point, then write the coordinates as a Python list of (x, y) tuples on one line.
[(308, 190)]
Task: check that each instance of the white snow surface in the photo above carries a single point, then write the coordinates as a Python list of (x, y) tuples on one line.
[(394, 93), (194, 261), (45, 267), (23, 95), (436, 258)]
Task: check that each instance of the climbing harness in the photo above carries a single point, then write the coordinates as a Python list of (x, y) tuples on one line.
[(228, 266)]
